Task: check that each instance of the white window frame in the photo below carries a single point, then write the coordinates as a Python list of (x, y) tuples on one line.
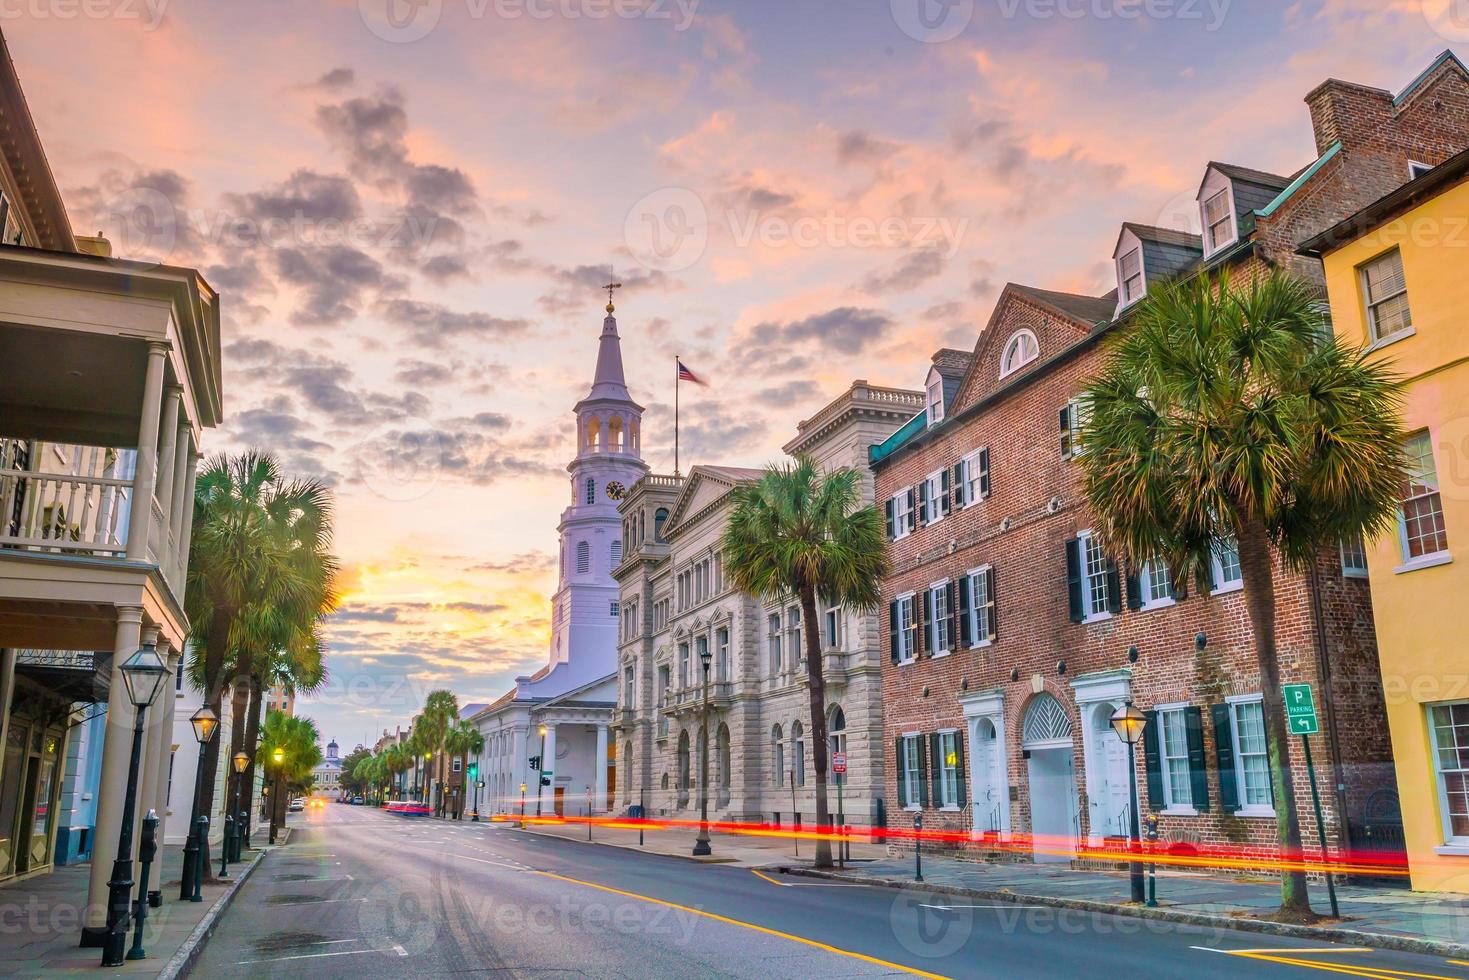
[(940, 626), (933, 486), (973, 493), (1018, 337), (456, 765), (1079, 411), (832, 627), (1453, 844), (1222, 587), (901, 510), (1142, 277), (1090, 614), (977, 581), (948, 776), (721, 653), (935, 401), (1370, 304), (912, 771), (798, 752), (907, 638), (1211, 244), (1172, 807), (774, 643), (1359, 546), (1248, 809), (1416, 169), (1145, 587), (1429, 558)]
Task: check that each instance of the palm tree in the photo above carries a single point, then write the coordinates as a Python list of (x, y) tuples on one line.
[(298, 740), (799, 532), (395, 759), (462, 739), (297, 668), (440, 711), (1234, 414), (259, 569)]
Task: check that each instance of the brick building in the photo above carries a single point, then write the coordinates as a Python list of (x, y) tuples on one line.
[(1010, 632)]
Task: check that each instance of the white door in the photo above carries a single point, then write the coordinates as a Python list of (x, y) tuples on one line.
[(988, 793), (1053, 815), (1115, 813)]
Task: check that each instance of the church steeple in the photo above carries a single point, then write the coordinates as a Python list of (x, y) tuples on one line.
[(609, 382)]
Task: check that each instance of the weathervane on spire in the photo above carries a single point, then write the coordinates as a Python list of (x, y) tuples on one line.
[(609, 287)]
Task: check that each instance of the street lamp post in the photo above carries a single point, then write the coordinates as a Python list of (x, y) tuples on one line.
[(279, 758), (474, 774), (1128, 723), (144, 673), (701, 843), (540, 769), (241, 760), (205, 723)]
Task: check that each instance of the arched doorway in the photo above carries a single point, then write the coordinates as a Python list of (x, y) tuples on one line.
[(1051, 770), (990, 794), (1107, 786)]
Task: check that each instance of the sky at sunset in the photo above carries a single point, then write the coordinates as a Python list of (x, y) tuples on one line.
[(408, 206)]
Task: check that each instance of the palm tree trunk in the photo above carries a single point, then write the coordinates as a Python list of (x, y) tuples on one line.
[(1257, 574), (817, 686), (252, 740)]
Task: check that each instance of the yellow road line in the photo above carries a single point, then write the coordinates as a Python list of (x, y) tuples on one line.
[(1301, 952), (749, 925), (783, 884), (1355, 970), (809, 884)]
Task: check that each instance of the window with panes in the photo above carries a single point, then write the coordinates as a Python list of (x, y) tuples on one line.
[(774, 639), (1421, 523), (1130, 274), (1094, 575), (1450, 726), (912, 771), (1386, 292), (948, 766), (940, 622), (1218, 221), (1173, 756), (1251, 755)]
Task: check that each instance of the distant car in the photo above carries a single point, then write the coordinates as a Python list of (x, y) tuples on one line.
[(297, 806), (356, 801), (318, 801)]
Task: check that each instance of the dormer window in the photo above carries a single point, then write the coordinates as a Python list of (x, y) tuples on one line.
[(1416, 169), (1130, 277), (935, 399), (1219, 228), (1020, 350)]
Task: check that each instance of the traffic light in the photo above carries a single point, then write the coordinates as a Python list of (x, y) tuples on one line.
[(535, 762), (474, 770)]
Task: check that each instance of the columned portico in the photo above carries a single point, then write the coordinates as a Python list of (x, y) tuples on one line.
[(600, 762), (546, 794)]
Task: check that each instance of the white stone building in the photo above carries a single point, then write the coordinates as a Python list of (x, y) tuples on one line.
[(327, 775), (677, 603), (560, 714)]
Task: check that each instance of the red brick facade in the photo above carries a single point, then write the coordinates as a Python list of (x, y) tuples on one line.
[(1036, 506)]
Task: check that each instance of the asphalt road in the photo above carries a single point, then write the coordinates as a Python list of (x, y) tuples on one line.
[(359, 893)]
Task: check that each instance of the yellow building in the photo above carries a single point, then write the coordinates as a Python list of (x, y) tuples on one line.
[(1398, 278)]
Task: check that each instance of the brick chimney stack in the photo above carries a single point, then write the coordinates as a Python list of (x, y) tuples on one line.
[(1347, 112)]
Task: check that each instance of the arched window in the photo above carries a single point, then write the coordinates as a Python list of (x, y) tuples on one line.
[(1020, 350), (591, 491), (836, 732), (614, 436), (660, 517), (798, 752), (1045, 721), (594, 434), (778, 755), (583, 557)]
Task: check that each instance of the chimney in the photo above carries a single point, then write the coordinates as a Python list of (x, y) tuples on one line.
[(1347, 112), (94, 245)]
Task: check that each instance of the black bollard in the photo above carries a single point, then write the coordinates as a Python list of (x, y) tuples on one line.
[(191, 857), (224, 846), (240, 821), (147, 851), (202, 829), (917, 847)]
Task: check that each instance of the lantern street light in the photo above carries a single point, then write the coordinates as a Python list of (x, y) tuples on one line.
[(1128, 722), (276, 804), (701, 843), (205, 724), (144, 674), (540, 773), (231, 828)]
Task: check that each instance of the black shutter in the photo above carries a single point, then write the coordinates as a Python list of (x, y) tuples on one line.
[(912, 507), (936, 770), (1114, 588), (893, 627), (953, 606), (944, 489), (966, 599), (1073, 580), (984, 473), (922, 772), (959, 484), (903, 788), (1153, 760), (1224, 756), (925, 616), (959, 767), (892, 525), (1134, 588), (990, 594), (1193, 721), (923, 504), (1066, 432)]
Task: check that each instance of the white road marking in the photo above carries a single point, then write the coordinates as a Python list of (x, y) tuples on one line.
[(400, 950), (324, 901), (313, 956), (1297, 950), (1003, 905)]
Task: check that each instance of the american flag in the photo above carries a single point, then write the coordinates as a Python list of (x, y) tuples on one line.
[(684, 374)]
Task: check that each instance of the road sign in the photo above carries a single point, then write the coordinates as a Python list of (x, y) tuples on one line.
[(839, 762), (1300, 709)]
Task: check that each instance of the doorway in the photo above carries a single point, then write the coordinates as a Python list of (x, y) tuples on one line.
[(1108, 788), (990, 794), (1051, 770)]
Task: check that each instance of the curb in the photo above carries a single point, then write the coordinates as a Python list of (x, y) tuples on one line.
[(1331, 934), (182, 962), (637, 850)]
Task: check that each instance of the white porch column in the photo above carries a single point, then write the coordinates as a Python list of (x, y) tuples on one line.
[(113, 782), (164, 707), (184, 507), (514, 765), (140, 513), (148, 774), (600, 804), (546, 796), (168, 445)]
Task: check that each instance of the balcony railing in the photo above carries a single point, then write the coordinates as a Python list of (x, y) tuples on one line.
[(55, 512)]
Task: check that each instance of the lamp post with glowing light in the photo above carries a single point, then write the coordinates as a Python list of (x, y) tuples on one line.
[(1128, 723), (242, 762), (144, 673), (540, 772), (279, 758), (701, 843), (205, 723)]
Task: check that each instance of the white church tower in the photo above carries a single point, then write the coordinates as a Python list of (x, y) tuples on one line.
[(584, 614)]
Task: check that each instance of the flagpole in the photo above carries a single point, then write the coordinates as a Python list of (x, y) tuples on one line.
[(677, 376)]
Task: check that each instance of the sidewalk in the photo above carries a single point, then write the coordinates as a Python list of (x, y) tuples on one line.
[(41, 920)]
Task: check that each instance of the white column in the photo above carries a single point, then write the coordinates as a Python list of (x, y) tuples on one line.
[(547, 794), (184, 507), (112, 785), (140, 512), (167, 449), (164, 707), (600, 804), (515, 765)]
